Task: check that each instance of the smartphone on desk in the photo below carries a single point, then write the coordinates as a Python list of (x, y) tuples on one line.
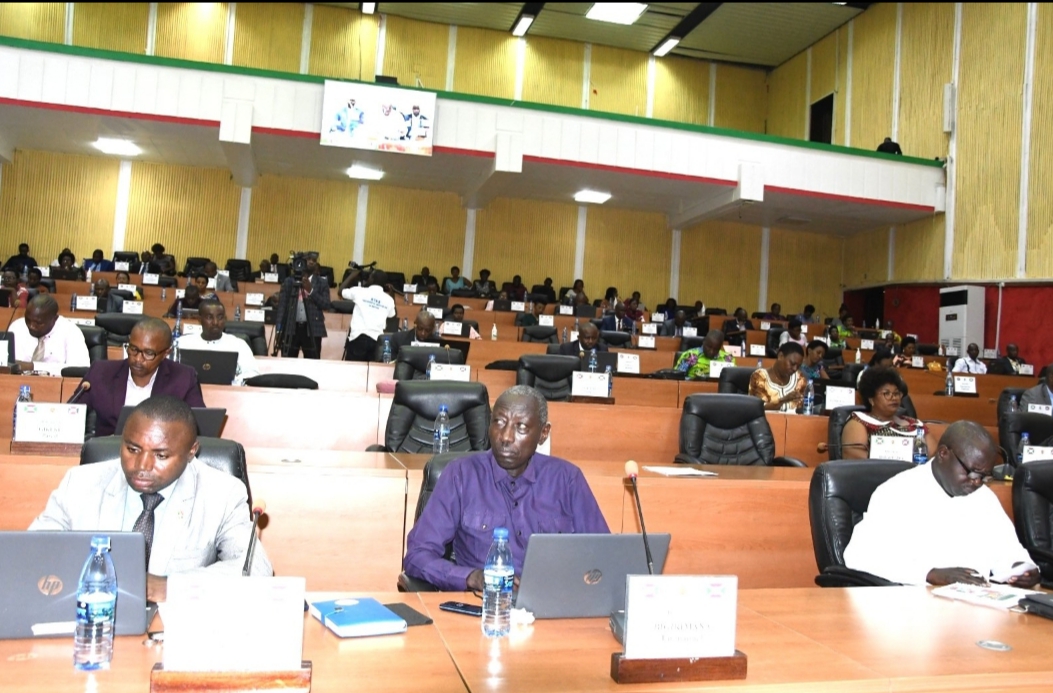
[(462, 608)]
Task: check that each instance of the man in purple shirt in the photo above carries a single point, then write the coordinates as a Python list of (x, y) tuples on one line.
[(510, 485)]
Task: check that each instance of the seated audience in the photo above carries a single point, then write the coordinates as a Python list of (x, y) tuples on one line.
[(105, 300), (223, 283), (775, 313), (213, 318), (67, 264), (1039, 394), (675, 326), (736, 327), (782, 386), (511, 486), (970, 363), (147, 264), (423, 332), (124, 279), (1010, 363), (191, 300), (517, 291), (807, 316), (794, 334), (908, 348), (669, 308), (20, 264), (200, 280), (373, 307), (98, 262), (610, 299), (881, 358), (939, 523), (577, 289), (812, 367), (65, 253), (588, 340), (835, 339), (483, 287), (18, 295), (45, 337), (531, 318), (639, 301), (265, 268), (617, 321), (34, 285), (549, 290), (456, 314), (454, 282), (882, 391), (632, 310), (426, 280), (847, 328), (695, 362), (842, 314)]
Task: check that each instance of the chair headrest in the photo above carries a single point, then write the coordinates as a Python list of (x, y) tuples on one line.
[(550, 367), (117, 323), (854, 481), (418, 356), (724, 411), (284, 380), (425, 396), (539, 332)]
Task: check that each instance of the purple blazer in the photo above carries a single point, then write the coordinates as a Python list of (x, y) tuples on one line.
[(109, 384)]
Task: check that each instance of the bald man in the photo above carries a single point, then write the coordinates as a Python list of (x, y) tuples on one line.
[(44, 340), (423, 331), (588, 340)]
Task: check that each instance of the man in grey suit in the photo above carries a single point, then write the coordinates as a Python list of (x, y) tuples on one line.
[(222, 281), (193, 516), (675, 326), (1039, 394)]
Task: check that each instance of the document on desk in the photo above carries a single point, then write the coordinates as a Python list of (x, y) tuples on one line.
[(679, 471), (997, 596)]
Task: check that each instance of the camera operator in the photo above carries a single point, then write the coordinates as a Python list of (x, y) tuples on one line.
[(312, 297), (373, 307)]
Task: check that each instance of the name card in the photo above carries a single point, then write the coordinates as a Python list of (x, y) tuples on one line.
[(420, 299), (758, 350), (952, 351), (150, 279), (690, 331), (87, 322), (44, 271), (87, 302), (715, 367), (253, 315), (566, 310), (650, 328), (546, 320), (735, 351), (645, 342), (191, 328), (917, 361), (132, 307), (3, 353), (409, 288), (573, 335), (628, 363), (1040, 409), (435, 312), (964, 385), (804, 329), (839, 397), (1027, 369), (446, 371), (46, 422), (867, 344), (180, 293), (518, 306), (270, 277), (1036, 452), (990, 354), (583, 384), (681, 616), (253, 299), (121, 267), (128, 287), (765, 325), (212, 283), (658, 317), (449, 327), (899, 448)]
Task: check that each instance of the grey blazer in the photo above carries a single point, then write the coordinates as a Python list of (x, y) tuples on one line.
[(1034, 395), (223, 283)]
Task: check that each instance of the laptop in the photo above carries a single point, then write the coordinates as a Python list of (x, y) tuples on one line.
[(603, 359), (583, 575), (439, 301), (213, 367), (209, 420), (39, 598), (502, 305)]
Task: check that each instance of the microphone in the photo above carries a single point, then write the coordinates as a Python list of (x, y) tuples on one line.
[(81, 389), (258, 508), (631, 470), (447, 348), (825, 447)]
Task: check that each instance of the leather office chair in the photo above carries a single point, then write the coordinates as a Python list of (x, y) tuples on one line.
[(549, 375), (412, 363), (539, 290), (118, 326), (687, 343), (838, 418), (618, 340), (97, 342), (771, 341), (1002, 411), (343, 307), (195, 264), (1038, 426), (219, 453), (552, 350), (838, 496), (287, 381), (728, 429), (1033, 514), (411, 422), (716, 311), (240, 271), (851, 372), (540, 333), (167, 282), (928, 349), (585, 311), (253, 332), (735, 380)]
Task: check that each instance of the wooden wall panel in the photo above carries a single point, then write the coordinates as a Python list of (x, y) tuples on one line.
[(841, 99), (54, 201), (786, 102), (627, 249), (1040, 202), (804, 268), (681, 90), (865, 258), (416, 50), (925, 66), (115, 26), (726, 278), (553, 70), (343, 43), (37, 21), (191, 30), (192, 211), (303, 214), (873, 61), (824, 67), (408, 229), (268, 35), (742, 98), (526, 237), (618, 80), (486, 63), (919, 250)]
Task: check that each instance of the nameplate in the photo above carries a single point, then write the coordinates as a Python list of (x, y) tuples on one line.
[(151, 279), (253, 299), (409, 288), (87, 303), (839, 397), (1032, 453), (546, 320), (87, 322), (715, 367), (46, 422), (628, 363), (990, 354), (758, 350), (3, 353), (680, 616), (645, 342), (518, 306), (1027, 369), (585, 384), (899, 448), (446, 371), (735, 351), (225, 273), (420, 299), (435, 312), (690, 331), (573, 335), (1040, 409), (253, 315), (650, 328), (132, 307), (44, 271), (917, 361), (658, 317), (566, 310), (191, 328), (128, 287), (453, 328), (180, 293), (212, 283), (867, 344), (765, 325), (121, 266), (270, 277), (804, 329), (964, 385)]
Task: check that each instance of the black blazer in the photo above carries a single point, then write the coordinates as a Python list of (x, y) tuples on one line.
[(405, 338), (574, 348)]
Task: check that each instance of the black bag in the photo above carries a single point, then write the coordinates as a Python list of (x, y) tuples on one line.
[(1038, 604)]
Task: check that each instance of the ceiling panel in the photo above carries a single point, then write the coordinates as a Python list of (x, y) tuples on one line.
[(566, 20), (489, 15)]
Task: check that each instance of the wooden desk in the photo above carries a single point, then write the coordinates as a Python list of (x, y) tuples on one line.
[(44, 389)]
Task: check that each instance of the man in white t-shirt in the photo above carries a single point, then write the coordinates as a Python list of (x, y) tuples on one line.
[(45, 338), (373, 307), (213, 317), (970, 363)]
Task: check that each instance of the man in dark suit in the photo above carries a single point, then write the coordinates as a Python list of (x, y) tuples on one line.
[(617, 322), (1039, 394), (303, 307), (588, 339), (423, 331), (146, 372), (1010, 363), (735, 328)]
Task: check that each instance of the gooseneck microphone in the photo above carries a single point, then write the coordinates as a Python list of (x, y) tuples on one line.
[(632, 470), (258, 508), (81, 389)]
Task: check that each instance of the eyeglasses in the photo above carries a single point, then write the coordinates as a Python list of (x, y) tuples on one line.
[(147, 354), (973, 475), (890, 394)]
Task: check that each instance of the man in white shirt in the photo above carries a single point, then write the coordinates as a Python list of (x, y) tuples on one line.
[(45, 338), (213, 317), (970, 363), (373, 307), (938, 523)]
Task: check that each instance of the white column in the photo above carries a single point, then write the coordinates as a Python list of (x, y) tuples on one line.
[(765, 248), (649, 111), (711, 119), (241, 240), (361, 216), (1025, 139), (891, 253), (848, 87), (151, 29), (451, 58), (896, 73), (674, 266), (469, 245), (952, 152), (382, 34), (120, 211), (228, 49), (305, 38), (586, 77), (579, 242), (521, 47), (67, 32), (808, 94)]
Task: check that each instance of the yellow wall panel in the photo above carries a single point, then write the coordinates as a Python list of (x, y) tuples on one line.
[(727, 278), (268, 35), (115, 26), (919, 250), (343, 43), (926, 54), (824, 66), (38, 21), (526, 237), (840, 102), (741, 99), (1040, 203), (485, 63), (873, 61), (989, 120), (803, 268), (681, 90), (618, 81), (191, 30), (553, 70), (786, 102), (865, 258), (416, 50), (408, 229), (192, 211), (629, 250), (302, 214), (54, 201)]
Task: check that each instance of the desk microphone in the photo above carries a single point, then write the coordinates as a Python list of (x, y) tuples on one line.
[(631, 470), (81, 389), (825, 447), (258, 508), (447, 348)]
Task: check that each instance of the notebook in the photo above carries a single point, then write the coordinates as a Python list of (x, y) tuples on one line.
[(355, 617)]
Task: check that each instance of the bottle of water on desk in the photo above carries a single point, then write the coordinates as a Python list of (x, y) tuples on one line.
[(164, 293), (385, 357), (493, 333), (921, 449), (96, 606), (809, 399), (564, 335), (1025, 440), (948, 384), (498, 578), (237, 313), (73, 302), (610, 382), (431, 362), (441, 432), (405, 323), (592, 361), (24, 395)]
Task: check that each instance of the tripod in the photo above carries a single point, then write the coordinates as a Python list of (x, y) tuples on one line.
[(285, 318)]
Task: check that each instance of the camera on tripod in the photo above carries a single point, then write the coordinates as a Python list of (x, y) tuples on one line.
[(298, 263)]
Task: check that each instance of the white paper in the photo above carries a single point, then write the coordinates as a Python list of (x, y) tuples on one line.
[(47, 422), (1036, 452), (518, 306), (628, 363), (1040, 409), (191, 328), (899, 448), (689, 331), (211, 283), (253, 299), (804, 329), (866, 344), (585, 384), (87, 302), (3, 353), (837, 396), (678, 471), (917, 361), (680, 616), (128, 287), (658, 317), (566, 310), (151, 279), (270, 277), (573, 335), (715, 367), (645, 342), (132, 307), (435, 312), (446, 371), (120, 266), (253, 315), (758, 350), (765, 325), (990, 354), (964, 385), (225, 273), (546, 320), (45, 271), (420, 299), (180, 293), (952, 351), (87, 322), (452, 328), (1027, 369), (650, 328), (409, 288), (733, 350)]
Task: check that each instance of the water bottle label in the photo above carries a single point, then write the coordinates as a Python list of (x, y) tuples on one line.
[(96, 607), (498, 582)]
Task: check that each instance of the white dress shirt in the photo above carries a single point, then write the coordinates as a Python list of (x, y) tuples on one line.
[(966, 364), (373, 307), (63, 345), (135, 395), (247, 366)]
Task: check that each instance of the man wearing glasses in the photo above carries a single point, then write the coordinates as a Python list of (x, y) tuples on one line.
[(146, 372), (939, 523)]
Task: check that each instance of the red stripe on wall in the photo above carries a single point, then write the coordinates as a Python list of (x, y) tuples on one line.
[(848, 198)]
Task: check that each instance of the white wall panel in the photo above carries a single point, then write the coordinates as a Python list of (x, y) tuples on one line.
[(122, 97), (167, 93), (485, 131), (589, 147), (8, 73), (30, 77), (570, 140), (608, 151), (53, 89), (78, 82), (190, 95), (100, 92), (146, 91), (627, 148)]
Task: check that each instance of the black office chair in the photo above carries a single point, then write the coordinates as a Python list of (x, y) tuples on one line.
[(716, 311), (97, 342), (838, 496), (1039, 428), (540, 333), (735, 380), (928, 349), (771, 341), (131, 257), (240, 271), (285, 381), (584, 311), (553, 349), (327, 272), (167, 282), (851, 372), (343, 307), (540, 292), (118, 326), (219, 453), (550, 375), (411, 422), (1002, 411), (195, 264), (253, 332), (1033, 514), (412, 363), (728, 429), (839, 416), (687, 343), (618, 340)]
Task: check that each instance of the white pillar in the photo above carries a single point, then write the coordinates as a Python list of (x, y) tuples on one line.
[(228, 46), (586, 77), (151, 29), (762, 294), (579, 242), (382, 33), (451, 58), (468, 259), (651, 68), (241, 242), (1025, 139), (952, 152), (361, 216), (305, 38), (521, 46), (674, 266)]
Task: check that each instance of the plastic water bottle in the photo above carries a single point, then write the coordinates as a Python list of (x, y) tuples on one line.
[(405, 323), (441, 431), (610, 382), (1025, 440), (530, 307), (177, 329), (431, 362), (592, 361), (493, 332), (96, 608), (164, 293), (498, 578), (921, 450), (809, 399), (948, 384), (760, 363), (564, 335), (385, 356), (73, 302), (24, 395), (87, 276), (859, 355), (1011, 407), (237, 313)]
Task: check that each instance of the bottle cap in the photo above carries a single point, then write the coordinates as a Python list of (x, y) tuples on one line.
[(500, 532), (100, 541), (443, 407)]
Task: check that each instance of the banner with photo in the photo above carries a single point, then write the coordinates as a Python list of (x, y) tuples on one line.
[(387, 119)]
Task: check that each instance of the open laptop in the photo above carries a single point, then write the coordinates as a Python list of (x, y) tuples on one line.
[(213, 367), (209, 420), (603, 359), (39, 598), (583, 575)]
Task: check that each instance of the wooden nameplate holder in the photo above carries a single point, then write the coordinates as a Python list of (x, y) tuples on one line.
[(297, 681), (59, 449), (667, 670), (582, 399)]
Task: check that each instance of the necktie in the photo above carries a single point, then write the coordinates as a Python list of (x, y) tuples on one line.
[(145, 522), (38, 352)]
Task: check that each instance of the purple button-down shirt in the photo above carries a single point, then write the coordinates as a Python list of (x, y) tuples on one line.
[(474, 495)]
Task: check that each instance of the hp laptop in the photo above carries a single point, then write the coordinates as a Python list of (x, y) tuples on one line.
[(583, 575), (39, 598), (210, 420), (213, 367)]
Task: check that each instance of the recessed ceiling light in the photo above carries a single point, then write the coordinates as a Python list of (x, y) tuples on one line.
[(369, 7), (592, 196), (109, 145), (616, 12), (522, 26), (364, 172), (669, 44)]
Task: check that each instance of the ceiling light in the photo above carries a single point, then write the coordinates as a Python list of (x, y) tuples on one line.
[(522, 26), (109, 145), (616, 12), (667, 45), (364, 172), (368, 7), (592, 196)]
